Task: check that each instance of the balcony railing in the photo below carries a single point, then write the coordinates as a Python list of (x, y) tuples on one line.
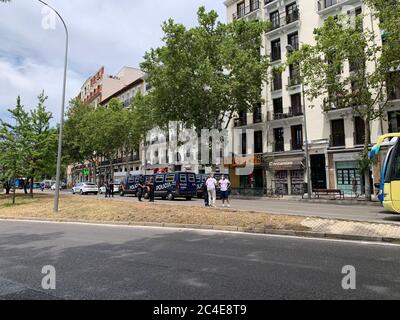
[(240, 122), (257, 117), (294, 81), (394, 93), (279, 146), (293, 112), (284, 19), (324, 4), (337, 140), (268, 1), (246, 10)]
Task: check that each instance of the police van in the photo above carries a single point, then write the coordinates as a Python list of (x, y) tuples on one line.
[(175, 185), (202, 178), (166, 185), (130, 185)]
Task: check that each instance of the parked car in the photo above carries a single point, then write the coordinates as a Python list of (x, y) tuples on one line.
[(85, 188), (53, 187)]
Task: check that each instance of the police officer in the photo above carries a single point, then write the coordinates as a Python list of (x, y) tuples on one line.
[(111, 189), (140, 188), (150, 186)]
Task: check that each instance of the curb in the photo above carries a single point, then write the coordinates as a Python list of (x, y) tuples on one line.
[(250, 230)]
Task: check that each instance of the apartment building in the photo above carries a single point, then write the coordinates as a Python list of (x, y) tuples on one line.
[(98, 90), (335, 135), (101, 86)]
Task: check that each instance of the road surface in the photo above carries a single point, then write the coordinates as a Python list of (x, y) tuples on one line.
[(114, 262)]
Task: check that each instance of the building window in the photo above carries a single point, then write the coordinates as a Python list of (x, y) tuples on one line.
[(394, 121), (393, 86), (275, 20), (257, 114), (359, 131), (292, 13), (297, 137), (294, 76), (258, 142), (296, 108), (276, 80), (240, 9), (244, 143), (338, 134), (279, 144), (293, 40), (276, 50), (278, 108)]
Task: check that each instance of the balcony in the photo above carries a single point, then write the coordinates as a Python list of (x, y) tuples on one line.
[(285, 19), (257, 117), (294, 81), (325, 6), (394, 93), (293, 112), (240, 122), (246, 10), (279, 146), (337, 140)]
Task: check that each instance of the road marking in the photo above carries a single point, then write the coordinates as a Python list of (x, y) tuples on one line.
[(92, 224)]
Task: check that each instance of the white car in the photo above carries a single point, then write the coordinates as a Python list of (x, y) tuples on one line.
[(103, 189), (85, 188), (53, 187)]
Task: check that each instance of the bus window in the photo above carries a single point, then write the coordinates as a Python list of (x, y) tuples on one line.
[(137, 179), (183, 178), (204, 179), (192, 178), (160, 179), (198, 179), (170, 178)]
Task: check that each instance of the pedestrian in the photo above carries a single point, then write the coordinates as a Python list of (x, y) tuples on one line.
[(211, 191), (111, 186), (205, 194), (150, 186), (140, 188), (42, 186), (354, 186), (224, 185)]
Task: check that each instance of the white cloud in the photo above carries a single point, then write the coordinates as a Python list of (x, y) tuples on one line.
[(102, 32)]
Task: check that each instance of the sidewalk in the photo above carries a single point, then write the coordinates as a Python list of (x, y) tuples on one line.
[(347, 201)]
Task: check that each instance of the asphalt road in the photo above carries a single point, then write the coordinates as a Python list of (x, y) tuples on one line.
[(104, 262), (290, 207)]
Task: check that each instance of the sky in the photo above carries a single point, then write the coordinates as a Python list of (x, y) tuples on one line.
[(105, 33)]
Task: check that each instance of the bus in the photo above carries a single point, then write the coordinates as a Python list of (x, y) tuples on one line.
[(389, 187), (166, 185)]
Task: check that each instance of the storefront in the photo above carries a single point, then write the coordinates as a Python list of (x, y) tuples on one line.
[(347, 173), (286, 175)]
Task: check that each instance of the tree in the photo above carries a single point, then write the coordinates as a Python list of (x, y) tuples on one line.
[(40, 143), (388, 14), (11, 146), (204, 75), (340, 42)]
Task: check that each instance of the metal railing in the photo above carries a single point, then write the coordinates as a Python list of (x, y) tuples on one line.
[(284, 19), (323, 4), (244, 11)]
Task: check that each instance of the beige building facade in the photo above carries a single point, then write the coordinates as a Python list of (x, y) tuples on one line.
[(335, 137)]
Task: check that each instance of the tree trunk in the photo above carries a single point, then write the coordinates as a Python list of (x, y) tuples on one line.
[(31, 190), (367, 175), (14, 194)]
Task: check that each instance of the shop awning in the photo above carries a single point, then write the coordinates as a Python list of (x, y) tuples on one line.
[(286, 164)]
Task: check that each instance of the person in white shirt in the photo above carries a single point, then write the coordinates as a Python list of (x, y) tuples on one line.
[(211, 190), (224, 185)]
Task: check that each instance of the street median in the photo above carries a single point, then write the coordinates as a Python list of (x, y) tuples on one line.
[(103, 211)]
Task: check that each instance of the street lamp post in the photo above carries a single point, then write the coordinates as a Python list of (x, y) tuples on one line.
[(290, 48), (59, 153)]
